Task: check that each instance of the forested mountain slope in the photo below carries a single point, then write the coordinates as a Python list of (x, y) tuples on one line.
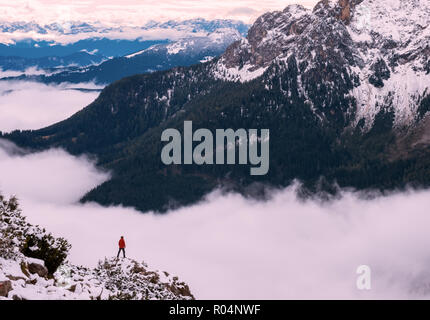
[(343, 88)]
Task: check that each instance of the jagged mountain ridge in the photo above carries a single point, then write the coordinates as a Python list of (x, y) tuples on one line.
[(78, 59), (299, 73), (380, 48)]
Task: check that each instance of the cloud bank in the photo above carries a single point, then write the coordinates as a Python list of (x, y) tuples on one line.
[(51, 176), (29, 71), (228, 247), (123, 19), (30, 105)]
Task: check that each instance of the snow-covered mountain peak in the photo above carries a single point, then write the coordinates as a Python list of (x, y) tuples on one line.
[(374, 52)]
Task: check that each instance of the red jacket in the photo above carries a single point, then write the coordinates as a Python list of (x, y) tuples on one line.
[(121, 243)]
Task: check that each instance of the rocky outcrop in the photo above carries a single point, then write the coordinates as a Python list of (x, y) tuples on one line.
[(5, 288), (353, 52), (25, 278), (38, 268)]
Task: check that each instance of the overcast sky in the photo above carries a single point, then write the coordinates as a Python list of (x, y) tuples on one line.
[(137, 12)]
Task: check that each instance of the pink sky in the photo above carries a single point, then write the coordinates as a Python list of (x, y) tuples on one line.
[(137, 12)]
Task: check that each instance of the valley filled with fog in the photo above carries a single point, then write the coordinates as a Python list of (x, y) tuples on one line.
[(224, 247), (31, 105)]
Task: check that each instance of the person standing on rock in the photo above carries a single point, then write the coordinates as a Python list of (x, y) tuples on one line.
[(121, 247)]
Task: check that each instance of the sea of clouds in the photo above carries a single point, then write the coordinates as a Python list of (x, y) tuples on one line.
[(32, 105), (228, 247)]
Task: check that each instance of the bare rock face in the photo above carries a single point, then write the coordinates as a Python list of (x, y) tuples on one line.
[(267, 38), (5, 288), (346, 56), (38, 269), (340, 9)]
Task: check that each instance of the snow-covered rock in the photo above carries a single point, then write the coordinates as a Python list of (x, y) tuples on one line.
[(27, 278)]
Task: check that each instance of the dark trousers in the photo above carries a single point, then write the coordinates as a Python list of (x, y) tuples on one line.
[(119, 251)]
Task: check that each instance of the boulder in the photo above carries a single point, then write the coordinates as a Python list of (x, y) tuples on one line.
[(38, 269), (5, 288)]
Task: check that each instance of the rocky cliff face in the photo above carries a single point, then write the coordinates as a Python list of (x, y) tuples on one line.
[(367, 56), (23, 277)]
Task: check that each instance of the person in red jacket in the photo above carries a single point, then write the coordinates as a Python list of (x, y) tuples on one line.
[(121, 247)]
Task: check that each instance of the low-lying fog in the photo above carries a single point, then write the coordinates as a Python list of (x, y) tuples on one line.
[(31, 105)]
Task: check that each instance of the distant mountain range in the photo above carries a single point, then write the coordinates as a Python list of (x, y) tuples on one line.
[(123, 50), (32, 49), (77, 27), (184, 52), (344, 89), (78, 59), (32, 40)]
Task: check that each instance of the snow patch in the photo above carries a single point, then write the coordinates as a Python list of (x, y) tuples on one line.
[(244, 74)]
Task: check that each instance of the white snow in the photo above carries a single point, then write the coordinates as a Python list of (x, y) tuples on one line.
[(403, 89), (176, 47), (135, 54), (215, 39), (207, 59), (36, 261), (407, 23), (92, 52), (243, 74)]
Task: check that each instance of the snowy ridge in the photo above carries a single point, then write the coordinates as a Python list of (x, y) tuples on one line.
[(220, 38), (26, 278)]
